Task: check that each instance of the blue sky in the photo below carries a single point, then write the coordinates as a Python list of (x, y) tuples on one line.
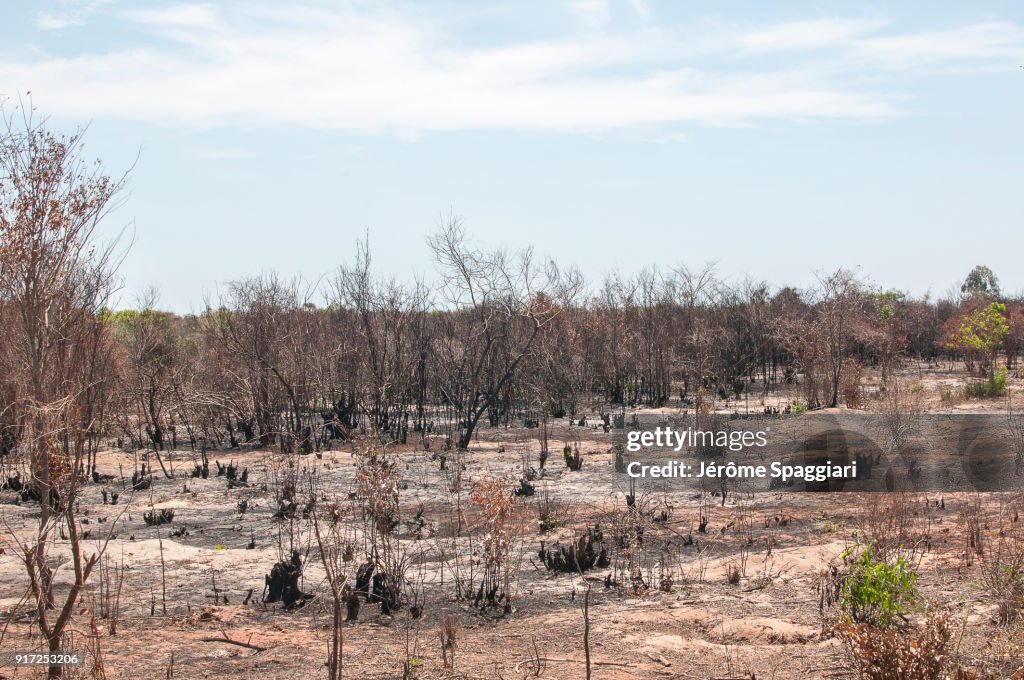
[(777, 139)]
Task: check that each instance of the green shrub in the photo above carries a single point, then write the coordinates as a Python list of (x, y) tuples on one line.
[(876, 592), (988, 389)]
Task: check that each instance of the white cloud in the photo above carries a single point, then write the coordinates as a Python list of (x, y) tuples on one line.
[(593, 14), (641, 9), (377, 70), (810, 34), (176, 16), (998, 41), (859, 38), (68, 13), (49, 21)]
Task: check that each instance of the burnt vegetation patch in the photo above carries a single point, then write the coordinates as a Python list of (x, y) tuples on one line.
[(282, 583), (581, 555), (372, 430)]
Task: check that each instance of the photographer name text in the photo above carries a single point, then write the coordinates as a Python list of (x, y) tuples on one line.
[(776, 470)]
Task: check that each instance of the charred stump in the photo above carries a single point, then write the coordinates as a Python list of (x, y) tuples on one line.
[(282, 583)]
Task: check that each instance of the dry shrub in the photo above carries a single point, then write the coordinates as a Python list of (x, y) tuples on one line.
[(627, 549), (901, 525), (379, 484), (971, 516), (497, 501), (449, 638), (1001, 565), (552, 514), (921, 653), (378, 480), (732, 574), (850, 390)]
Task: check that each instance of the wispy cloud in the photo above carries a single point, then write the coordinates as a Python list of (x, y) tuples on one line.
[(810, 34), (594, 14), (226, 153), (999, 41), (176, 16), (641, 9), (364, 68), (68, 13)]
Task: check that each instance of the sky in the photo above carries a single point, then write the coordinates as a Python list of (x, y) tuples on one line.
[(775, 139)]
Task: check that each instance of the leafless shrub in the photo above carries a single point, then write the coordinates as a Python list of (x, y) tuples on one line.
[(449, 640), (732, 573), (495, 500), (630, 561), (899, 524), (1001, 567), (334, 549), (454, 546), (110, 584), (970, 514), (899, 410), (666, 579), (379, 484)]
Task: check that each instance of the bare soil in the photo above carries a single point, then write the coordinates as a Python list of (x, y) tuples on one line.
[(678, 618)]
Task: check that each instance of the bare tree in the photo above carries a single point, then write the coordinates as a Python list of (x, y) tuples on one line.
[(500, 303), (838, 297), (386, 316), (55, 278), (264, 324), (335, 553), (153, 354)]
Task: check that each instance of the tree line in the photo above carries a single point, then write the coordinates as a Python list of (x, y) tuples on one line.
[(497, 337)]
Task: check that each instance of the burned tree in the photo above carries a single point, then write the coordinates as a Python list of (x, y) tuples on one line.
[(264, 327), (282, 583), (385, 316), (55, 280), (500, 304), (335, 555)]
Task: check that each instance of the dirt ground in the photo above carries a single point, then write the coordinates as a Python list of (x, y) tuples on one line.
[(671, 611)]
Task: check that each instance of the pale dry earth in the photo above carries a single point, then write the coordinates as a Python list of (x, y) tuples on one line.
[(699, 626)]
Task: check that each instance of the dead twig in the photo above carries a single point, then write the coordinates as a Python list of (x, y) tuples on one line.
[(228, 640)]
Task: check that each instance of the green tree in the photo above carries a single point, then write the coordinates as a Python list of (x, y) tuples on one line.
[(981, 281), (981, 334)]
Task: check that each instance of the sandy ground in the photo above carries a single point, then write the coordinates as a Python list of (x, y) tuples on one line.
[(685, 621)]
